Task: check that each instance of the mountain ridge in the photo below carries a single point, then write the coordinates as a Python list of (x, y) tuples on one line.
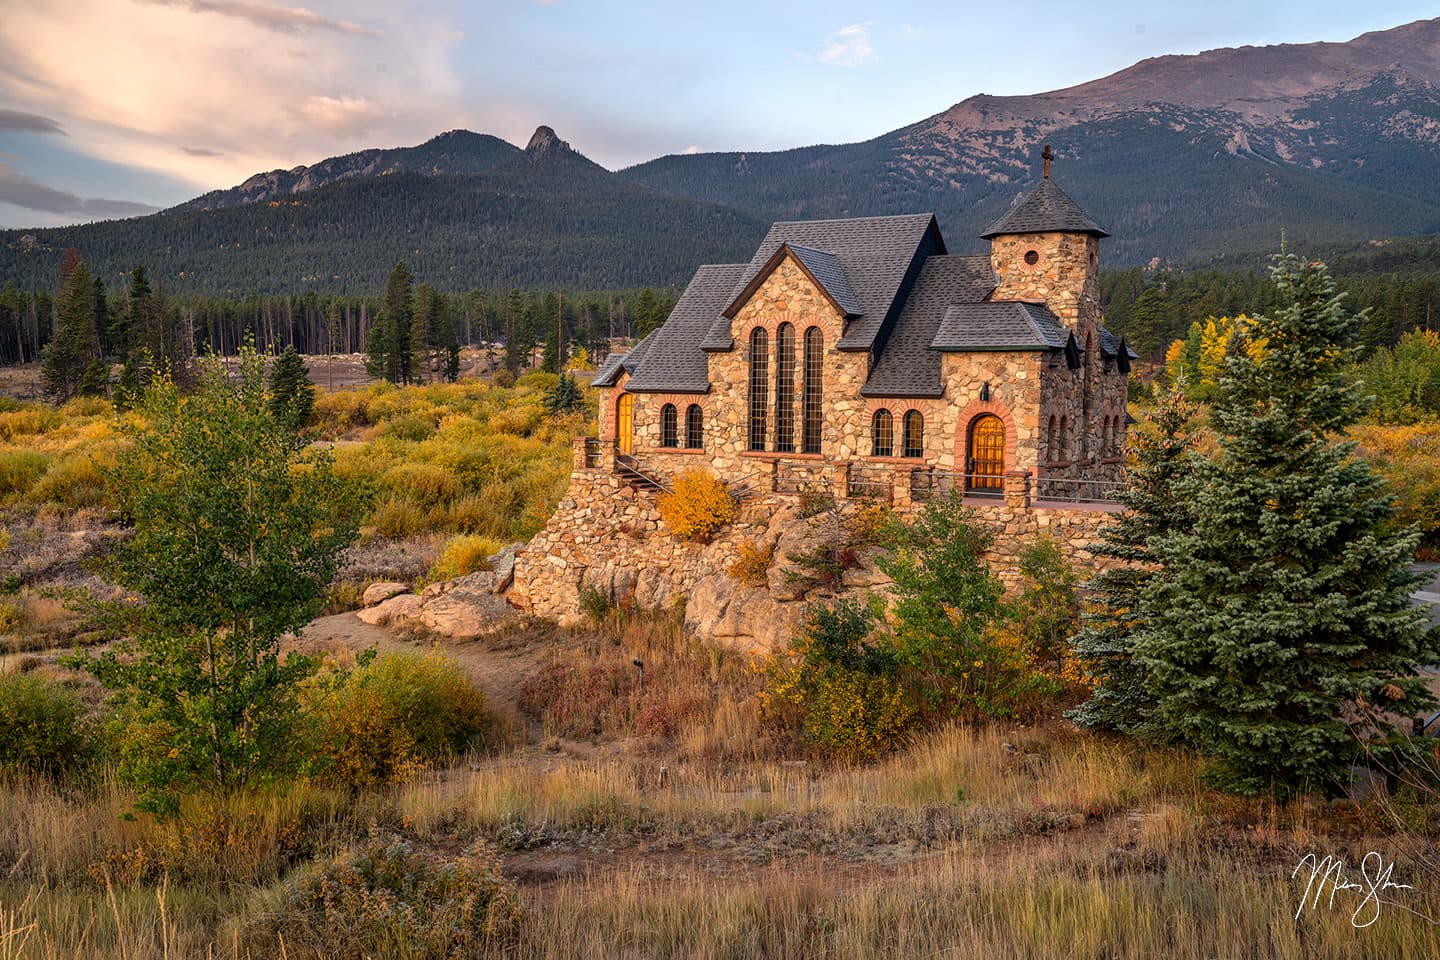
[(1180, 157)]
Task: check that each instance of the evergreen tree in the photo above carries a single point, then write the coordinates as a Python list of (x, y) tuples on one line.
[(75, 344), (452, 361), (387, 347), (550, 357), (564, 397), (292, 397), (1286, 601), (96, 380), (128, 390), (1161, 454)]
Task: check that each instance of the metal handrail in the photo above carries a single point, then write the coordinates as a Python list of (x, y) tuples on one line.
[(925, 483)]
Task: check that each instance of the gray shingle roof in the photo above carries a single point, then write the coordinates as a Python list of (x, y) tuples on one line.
[(1006, 325), (624, 362), (829, 272), (609, 370), (1044, 208), (907, 366), (877, 253), (673, 361), (1110, 345)]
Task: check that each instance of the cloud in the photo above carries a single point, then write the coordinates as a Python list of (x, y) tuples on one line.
[(31, 194), (201, 152), (28, 122), (338, 116), (848, 47), (271, 17)]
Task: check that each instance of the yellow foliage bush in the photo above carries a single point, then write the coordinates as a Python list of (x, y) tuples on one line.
[(397, 518), (698, 506), (20, 470), (752, 563), (425, 483), (464, 554), (1408, 457)]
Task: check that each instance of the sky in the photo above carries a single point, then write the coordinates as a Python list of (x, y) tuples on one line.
[(112, 108)]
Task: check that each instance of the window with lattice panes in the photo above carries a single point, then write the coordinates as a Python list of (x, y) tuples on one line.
[(694, 427), (759, 387), (814, 385), (669, 426), (882, 434), (785, 388)]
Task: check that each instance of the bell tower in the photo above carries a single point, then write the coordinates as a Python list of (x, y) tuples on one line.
[(1046, 249)]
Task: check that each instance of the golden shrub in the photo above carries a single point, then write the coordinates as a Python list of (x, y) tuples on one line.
[(464, 554), (698, 506), (752, 563)]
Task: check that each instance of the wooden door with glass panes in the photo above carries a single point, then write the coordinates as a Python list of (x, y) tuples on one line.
[(987, 453)]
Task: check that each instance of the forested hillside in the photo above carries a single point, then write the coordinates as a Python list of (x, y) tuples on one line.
[(543, 218)]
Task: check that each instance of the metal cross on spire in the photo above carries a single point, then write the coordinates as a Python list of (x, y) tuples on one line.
[(1047, 156)]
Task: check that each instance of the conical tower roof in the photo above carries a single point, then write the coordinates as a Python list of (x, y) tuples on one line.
[(1044, 208)]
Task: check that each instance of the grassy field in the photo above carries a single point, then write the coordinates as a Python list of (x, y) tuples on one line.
[(449, 474), (715, 836)]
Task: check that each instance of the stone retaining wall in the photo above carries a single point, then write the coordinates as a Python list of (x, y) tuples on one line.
[(607, 536)]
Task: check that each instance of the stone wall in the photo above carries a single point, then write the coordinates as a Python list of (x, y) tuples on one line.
[(607, 536)]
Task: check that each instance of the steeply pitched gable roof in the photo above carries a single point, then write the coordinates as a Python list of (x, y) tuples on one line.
[(610, 369), (876, 254), (615, 364), (1006, 325), (907, 365), (1044, 208), (673, 361)]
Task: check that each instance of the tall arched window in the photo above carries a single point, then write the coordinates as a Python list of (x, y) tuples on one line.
[(669, 428), (814, 383), (694, 427), (914, 442), (1064, 438), (785, 388), (759, 387), (1052, 441), (882, 434)]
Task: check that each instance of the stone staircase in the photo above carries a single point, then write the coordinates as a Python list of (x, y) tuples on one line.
[(627, 469)]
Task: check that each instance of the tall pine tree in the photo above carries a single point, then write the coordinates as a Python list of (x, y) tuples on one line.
[(76, 343), (1286, 601), (387, 346), (1162, 450)]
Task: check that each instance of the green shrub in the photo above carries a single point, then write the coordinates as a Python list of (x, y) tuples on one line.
[(815, 502), (43, 728), (839, 685), (1405, 379), (596, 605), (387, 719), (77, 481), (386, 900)]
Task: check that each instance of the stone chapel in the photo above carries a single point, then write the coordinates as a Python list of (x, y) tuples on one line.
[(861, 357)]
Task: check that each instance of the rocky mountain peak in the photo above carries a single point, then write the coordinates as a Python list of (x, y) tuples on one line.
[(544, 141)]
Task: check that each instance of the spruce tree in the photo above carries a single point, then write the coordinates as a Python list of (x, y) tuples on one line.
[(1162, 452), (1285, 603), (75, 344), (387, 346), (292, 397)]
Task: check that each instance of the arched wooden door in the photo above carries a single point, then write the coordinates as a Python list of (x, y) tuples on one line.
[(987, 453), (625, 423)]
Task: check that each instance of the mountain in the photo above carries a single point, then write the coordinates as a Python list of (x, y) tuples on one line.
[(456, 152), (1178, 156), (1199, 158), (544, 216)]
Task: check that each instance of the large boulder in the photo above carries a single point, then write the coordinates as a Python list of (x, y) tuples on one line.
[(394, 611), (719, 610), (503, 566), (378, 593), (800, 538)]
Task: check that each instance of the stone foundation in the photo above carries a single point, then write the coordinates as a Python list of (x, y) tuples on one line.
[(606, 535)]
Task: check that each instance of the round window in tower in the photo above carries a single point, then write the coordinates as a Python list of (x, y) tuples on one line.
[(1030, 261)]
